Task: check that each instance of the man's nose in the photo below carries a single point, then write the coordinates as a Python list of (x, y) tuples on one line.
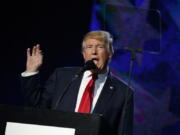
[(94, 50)]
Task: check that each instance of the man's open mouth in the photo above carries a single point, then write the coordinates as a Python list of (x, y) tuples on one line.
[(95, 60)]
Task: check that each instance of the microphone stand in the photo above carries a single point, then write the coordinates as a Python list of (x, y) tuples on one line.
[(132, 59)]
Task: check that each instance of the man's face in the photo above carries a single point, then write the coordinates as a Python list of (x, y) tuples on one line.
[(97, 51)]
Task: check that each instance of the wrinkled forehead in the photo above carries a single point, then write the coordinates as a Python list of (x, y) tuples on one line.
[(92, 41)]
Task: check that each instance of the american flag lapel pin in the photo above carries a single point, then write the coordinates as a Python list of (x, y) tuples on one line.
[(111, 87)]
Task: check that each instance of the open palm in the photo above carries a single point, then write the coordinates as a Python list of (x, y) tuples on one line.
[(34, 59)]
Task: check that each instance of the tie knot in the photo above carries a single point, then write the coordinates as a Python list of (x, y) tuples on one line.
[(94, 76)]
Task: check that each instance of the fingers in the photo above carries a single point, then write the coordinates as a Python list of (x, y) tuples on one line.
[(35, 51), (28, 52), (38, 50)]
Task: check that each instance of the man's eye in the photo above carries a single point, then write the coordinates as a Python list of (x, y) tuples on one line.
[(89, 46), (101, 46)]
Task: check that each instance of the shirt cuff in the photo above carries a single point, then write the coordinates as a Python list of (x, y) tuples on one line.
[(27, 74)]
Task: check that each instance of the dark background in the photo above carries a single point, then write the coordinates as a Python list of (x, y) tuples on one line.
[(57, 27)]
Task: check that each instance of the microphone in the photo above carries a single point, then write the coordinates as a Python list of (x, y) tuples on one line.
[(89, 65)]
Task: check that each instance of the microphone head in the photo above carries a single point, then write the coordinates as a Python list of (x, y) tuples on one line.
[(89, 65)]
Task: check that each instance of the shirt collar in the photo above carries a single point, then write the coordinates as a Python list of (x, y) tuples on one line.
[(87, 73)]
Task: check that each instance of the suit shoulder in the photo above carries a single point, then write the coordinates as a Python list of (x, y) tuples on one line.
[(119, 82), (67, 69)]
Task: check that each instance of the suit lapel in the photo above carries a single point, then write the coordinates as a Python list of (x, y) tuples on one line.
[(105, 96), (74, 93), (69, 100)]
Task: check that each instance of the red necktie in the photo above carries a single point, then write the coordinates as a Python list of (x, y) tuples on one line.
[(87, 98)]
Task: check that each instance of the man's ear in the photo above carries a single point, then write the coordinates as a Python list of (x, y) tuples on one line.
[(82, 52), (110, 55)]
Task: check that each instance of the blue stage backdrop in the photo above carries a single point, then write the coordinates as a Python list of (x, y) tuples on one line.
[(156, 71)]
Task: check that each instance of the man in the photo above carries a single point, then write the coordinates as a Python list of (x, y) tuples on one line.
[(110, 96)]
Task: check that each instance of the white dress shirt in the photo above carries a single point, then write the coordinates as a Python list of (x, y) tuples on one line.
[(26, 74), (99, 83)]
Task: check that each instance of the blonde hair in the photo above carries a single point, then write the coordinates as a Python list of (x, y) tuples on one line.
[(102, 36)]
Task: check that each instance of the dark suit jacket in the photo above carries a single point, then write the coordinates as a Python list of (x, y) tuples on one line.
[(111, 102)]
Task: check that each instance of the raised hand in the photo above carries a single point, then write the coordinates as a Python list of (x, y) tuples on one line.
[(34, 59)]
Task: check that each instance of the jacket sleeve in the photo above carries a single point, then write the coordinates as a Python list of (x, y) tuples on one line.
[(35, 94)]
